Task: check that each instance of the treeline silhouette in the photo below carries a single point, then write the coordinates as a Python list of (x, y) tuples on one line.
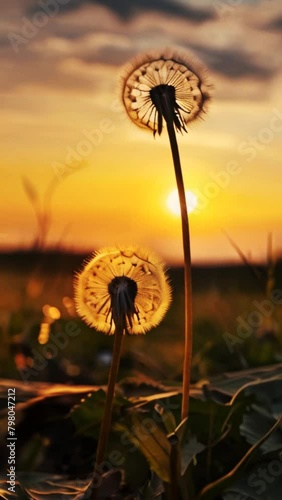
[(205, 276)]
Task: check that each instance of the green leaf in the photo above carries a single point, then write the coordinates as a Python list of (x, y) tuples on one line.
[(167, 418), (151, 441), (122, 453), (153, 489), (144, 400), (268, 393), (87, 415), (238, 495), (190, 446), (39, 486), (190, 449), (217, 487), (208, 420), (109, 487), (262, 480), (228, 386), (255, 424)]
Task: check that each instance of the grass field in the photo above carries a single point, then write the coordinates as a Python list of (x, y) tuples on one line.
[(225, 298), (58, 369)]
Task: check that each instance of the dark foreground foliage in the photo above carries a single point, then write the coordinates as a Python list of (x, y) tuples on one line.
[(230, 448)]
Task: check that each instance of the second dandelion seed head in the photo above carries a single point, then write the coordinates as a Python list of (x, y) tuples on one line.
[(122, 288)]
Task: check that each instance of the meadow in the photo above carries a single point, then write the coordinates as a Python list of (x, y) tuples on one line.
[(60, 382), (222, 294)]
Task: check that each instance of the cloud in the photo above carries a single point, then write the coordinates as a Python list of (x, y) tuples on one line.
[(127, 9), (274, 24), (73, 49), (233, 63), (4, 42)]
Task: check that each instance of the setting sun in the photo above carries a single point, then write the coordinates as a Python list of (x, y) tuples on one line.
[(173, 202)]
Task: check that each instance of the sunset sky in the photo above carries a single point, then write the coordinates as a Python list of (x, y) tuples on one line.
[(61, 120)]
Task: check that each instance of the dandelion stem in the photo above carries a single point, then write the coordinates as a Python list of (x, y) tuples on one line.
[(107, 415), (175, 467), (187, 259)]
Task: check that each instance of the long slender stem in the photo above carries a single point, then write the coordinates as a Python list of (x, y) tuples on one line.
[(187, 264), (107, 415)]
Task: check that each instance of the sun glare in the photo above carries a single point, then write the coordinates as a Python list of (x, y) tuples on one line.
[(173, 202)]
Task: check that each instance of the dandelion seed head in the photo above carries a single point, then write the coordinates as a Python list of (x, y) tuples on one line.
[(122, 287), (178, 78)]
